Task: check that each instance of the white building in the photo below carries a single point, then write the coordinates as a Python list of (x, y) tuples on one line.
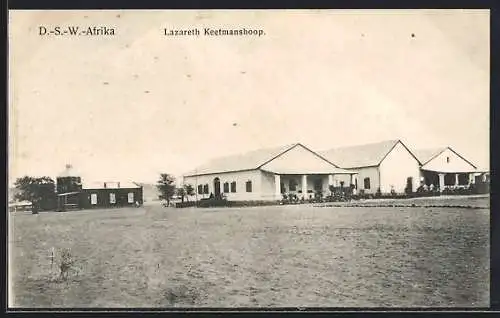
[(445, 167), (383, 165), (265, 174)]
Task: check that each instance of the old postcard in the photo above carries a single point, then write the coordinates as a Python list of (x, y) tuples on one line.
[(248, 158)]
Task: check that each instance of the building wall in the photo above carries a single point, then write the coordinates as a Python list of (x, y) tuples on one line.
[(103, 197), (263, 184), (240, 177), (367, 172), (267, 186), (454, 164), (298, 159), (397, 166), (68, 184)]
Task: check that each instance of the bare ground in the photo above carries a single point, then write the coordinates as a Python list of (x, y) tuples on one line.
[(254, 257)]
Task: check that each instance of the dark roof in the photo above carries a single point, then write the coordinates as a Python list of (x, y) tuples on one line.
[(366, 155)]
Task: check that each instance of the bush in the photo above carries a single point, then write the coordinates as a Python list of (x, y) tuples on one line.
[(251, 203), (67, 264), (185, 204), (212, 202)]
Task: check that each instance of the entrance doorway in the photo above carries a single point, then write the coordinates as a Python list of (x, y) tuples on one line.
[(217, 187)]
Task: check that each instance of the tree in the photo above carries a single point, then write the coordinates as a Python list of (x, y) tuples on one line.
[(189, 189), (181, 192), (166, 187), (409, 186), (39, 191)]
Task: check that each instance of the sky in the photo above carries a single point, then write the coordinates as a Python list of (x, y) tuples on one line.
[(137, 104)]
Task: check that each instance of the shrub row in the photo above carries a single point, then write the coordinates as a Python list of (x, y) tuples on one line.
[(207, 203)]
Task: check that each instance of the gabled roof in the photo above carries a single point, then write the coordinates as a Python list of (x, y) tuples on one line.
[(426, 155), (251, 160), (366, 155), (246, 161)]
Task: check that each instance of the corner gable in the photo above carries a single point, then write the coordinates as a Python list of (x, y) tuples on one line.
[(299, 159), (461, 157), (394, 146), (449, 161), (278, 155), (434, 156)]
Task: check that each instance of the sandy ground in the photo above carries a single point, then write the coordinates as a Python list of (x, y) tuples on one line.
[(253, 257)]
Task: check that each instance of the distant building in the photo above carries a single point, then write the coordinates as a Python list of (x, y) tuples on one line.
[(111, 194), (266, 174), (387, 165), (72, 194), (445, 167)]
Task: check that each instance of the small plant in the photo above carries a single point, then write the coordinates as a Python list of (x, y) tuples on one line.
[(66, 264)]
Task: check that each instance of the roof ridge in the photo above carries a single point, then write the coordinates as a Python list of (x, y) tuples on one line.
[(365, 144), (361, 155)]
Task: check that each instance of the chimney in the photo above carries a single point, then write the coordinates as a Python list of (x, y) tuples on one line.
[(118, 184), (104, 185)]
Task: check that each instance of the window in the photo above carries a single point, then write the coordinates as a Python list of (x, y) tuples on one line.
[(292, 185), (249, 186), (226, 187), (205, 189), (130, 198), (447, 159), (200, 189), (233, 186), (318, 185), (93, 198), (367, 183), (112, 198)]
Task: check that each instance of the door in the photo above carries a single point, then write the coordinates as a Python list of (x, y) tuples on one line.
[(217, 187)]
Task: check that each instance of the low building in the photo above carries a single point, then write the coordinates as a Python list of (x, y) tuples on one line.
[(444, 167), (111, 194), (265, 174), (72, 194), (387, 165)]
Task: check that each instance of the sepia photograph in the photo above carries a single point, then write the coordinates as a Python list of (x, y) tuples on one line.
[(248, 159)]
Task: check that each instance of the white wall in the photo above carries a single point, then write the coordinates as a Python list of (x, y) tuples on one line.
[(267, 186), (368, 172), (298, 160), (241, 177), (455, 164), (397, 166)]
